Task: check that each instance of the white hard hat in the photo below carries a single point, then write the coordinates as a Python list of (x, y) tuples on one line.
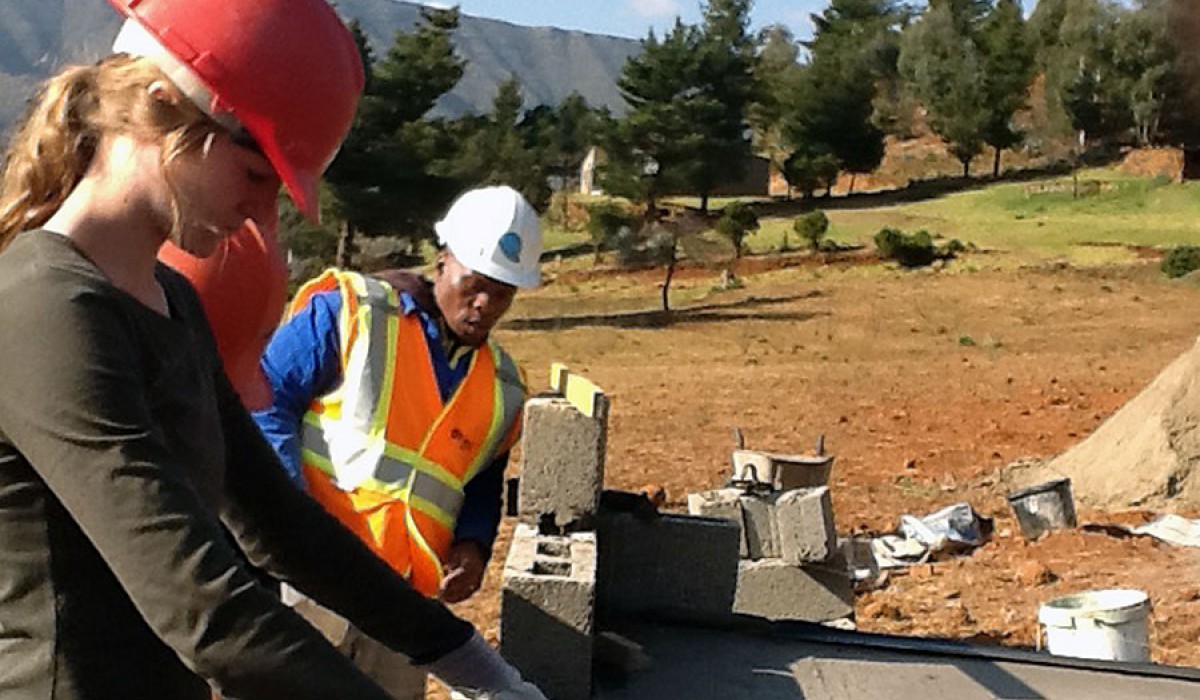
[(495, 232)]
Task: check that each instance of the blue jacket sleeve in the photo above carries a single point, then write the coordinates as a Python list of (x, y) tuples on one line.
[(301, 363), (479, 519)]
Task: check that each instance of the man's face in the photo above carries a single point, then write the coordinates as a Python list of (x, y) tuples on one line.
[(470, 302)]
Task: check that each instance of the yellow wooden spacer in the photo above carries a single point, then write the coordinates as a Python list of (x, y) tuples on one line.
[(579, 392)]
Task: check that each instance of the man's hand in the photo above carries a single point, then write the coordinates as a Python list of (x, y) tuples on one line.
[(464, 572)]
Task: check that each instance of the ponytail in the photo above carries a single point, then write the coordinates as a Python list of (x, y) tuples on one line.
[(49, 153), (56, 143)]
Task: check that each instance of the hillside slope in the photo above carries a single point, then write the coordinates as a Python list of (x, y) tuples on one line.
[(39, 36)]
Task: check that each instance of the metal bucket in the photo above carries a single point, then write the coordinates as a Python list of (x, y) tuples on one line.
[(1045, 507), (780, 471)]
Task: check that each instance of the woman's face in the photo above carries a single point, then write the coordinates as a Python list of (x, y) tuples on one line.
[(218, 187)]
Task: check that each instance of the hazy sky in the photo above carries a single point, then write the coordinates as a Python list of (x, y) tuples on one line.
[(633, 18)]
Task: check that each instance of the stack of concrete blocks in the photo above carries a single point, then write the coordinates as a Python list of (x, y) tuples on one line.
[(548, 603), (576, 558), (790, 566)]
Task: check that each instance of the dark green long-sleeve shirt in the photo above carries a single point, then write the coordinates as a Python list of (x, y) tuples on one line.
[(125, 461)]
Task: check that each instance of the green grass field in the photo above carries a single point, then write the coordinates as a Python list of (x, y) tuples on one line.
[(1018, 222), (1034, 220)]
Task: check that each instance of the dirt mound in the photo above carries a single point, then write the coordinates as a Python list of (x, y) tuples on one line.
[(1145, 455), (1154, 162)]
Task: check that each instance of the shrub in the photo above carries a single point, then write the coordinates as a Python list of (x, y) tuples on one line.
[(887, 240), (915, 250), (1181, 260), (812, 227), (737, 221), (608, 224)]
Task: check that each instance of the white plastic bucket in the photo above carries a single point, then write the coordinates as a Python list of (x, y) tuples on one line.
[(1112, 624)]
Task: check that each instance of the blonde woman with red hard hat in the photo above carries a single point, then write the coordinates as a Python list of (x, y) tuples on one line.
[(128, 466)]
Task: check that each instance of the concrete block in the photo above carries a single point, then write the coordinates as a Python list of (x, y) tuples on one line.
[(804, 523), (776, 590), (758, 521), (562, 464), (721, 503), (752, 513), (547, 610), (681, 564)]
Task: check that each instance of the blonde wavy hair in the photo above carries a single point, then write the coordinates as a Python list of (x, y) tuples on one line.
[(54, 146)]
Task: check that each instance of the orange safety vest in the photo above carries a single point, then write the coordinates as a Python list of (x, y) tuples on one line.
[(382, 452)]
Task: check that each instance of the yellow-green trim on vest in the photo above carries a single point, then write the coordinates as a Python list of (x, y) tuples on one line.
[(393, 477)]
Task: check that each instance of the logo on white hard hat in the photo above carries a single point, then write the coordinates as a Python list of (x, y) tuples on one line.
[(510, 246)]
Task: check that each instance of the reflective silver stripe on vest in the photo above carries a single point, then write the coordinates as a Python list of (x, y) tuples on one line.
[(371, 387), (512, 390), (394, 475), (508, 400)]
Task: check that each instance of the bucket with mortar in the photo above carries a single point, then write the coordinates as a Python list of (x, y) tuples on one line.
[(1112, 625), (1045, 507)]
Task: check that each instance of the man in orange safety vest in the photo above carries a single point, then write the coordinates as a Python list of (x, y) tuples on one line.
[(396, 410)]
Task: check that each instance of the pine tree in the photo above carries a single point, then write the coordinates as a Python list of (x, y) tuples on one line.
[(657, 147), (494, 151), (833, 104), (776, 71), (1008, 64), (943, 66), (726, 81), (688, 95), (384, 176), (562, 136)]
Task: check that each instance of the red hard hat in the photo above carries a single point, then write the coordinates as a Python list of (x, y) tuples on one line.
[(243, 288), (288, 71)]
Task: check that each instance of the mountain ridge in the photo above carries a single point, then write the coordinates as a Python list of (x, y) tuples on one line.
[(38, 37)]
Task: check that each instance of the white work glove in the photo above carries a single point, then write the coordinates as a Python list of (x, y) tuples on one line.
[(475, 670), (527, 691)]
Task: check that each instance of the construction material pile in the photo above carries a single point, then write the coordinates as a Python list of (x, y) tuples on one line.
[(1144, 456), (790, 566)]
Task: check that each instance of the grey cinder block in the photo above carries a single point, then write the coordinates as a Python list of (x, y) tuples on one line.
[(753, 514), (776, 590), (804, 523), (681, 564), (758, 515), (547, 610), (562, 463)]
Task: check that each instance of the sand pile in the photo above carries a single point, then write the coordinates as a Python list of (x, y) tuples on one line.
[(1145, 456)]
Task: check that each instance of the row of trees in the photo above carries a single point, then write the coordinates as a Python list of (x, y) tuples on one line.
[(703, 97), (400, 168), (1105, 72)]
